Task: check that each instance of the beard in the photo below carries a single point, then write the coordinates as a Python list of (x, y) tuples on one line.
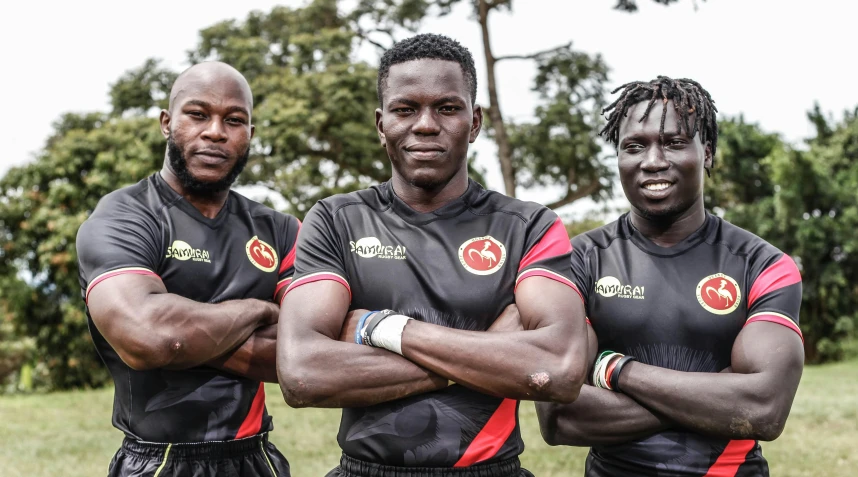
[(195, 186)]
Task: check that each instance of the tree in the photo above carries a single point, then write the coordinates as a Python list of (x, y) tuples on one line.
[(803, 202)]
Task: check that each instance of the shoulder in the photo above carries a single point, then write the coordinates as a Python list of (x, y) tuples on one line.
[(371, 197), (742, 242), (599, 238), (259, 210), (489, 202), (139, 198)]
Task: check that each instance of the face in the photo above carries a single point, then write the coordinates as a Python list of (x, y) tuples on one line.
[(427, 122), (661, 180), (208, 132)]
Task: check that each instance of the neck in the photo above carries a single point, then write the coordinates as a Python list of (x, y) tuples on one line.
[(669, 231), (208, 204), (425, 200)]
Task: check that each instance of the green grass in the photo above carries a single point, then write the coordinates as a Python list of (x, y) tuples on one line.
[(69, 434)]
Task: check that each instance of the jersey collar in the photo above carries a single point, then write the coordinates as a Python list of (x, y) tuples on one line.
[(646, 245), (451, 209), (172, 197)]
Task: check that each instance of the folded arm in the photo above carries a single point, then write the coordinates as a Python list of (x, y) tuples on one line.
[(750, 402), (151, 328), (597, 417), (315, 369), (546, 361)]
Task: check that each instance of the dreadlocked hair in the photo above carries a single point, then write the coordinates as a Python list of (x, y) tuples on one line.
[(688, 98)]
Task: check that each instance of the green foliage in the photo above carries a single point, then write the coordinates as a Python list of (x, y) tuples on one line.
[(561, 146), (42, 204), (803, 202)]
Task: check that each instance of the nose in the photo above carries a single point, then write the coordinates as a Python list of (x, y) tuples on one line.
[(654, 160), (427, 123), (215, 130)]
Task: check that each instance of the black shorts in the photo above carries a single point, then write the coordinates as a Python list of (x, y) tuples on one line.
[(249, 457), (350, 467)]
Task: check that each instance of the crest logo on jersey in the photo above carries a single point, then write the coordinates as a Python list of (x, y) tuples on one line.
[(609, 286), (369, 247), (181, 250), (261, 254), (719, 294), (482, 255)]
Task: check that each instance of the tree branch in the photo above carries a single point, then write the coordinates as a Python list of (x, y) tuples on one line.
[(536, 55), (572, 196)]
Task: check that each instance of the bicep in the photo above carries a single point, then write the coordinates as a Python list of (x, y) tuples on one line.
[(317, 307), (772, 349), (118, 303), (544, 302)]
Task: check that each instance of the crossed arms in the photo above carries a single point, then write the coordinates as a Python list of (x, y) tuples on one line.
[(749, 400), (150, 328), (546, 360)]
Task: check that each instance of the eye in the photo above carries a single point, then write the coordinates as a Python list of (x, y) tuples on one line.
[(402, 110), (633, 147), (239, 121), (676, 143), (449, 109), (196, 114)]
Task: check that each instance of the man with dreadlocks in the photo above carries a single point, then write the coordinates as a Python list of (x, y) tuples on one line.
[(700, 352)]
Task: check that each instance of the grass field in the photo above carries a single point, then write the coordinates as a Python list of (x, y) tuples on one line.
[(69, 434)]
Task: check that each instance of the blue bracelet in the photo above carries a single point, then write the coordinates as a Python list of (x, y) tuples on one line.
[(363, 318)]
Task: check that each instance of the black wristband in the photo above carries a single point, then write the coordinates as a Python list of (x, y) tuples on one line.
[(615, 374), (374, 321)]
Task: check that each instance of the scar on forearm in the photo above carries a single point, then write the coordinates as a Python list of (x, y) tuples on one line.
[(539, 380)]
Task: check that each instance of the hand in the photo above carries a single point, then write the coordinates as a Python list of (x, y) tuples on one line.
[(509, 320), (347, 334), (269, 312)]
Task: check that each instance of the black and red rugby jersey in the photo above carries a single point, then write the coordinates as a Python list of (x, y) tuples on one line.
[(681, 308), (247, 251), (457, 267)]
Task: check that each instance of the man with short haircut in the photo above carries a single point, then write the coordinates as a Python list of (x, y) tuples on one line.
[(697, 320), (425, 389), (180, 276)]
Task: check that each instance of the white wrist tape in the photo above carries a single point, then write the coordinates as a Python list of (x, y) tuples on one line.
[(388, 333)]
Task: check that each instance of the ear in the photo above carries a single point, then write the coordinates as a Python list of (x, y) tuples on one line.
[(252, 131), (164, 119), (379, 127), (476, 123), (707, 156)]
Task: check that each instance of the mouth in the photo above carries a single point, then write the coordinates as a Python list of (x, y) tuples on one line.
[(657, 186), (424, 151), (656, 189), (210, 156)]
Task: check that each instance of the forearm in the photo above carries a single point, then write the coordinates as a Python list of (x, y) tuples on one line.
[(597, 417), (256, 358), (189, 333), (329, 373), (531, 364), (727, 405)]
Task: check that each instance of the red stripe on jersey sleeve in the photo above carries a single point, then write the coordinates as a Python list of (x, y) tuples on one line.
[(289, 259), (542, 272), (492, 436), (775, 318), (727, 464), (121, 271), (316, 277), (782, 273), (281, 285), (253, 422), (555, 242)]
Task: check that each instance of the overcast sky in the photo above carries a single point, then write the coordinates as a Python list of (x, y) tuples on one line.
[(767, 59)]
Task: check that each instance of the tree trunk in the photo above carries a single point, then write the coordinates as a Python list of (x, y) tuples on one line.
[(502, 140)]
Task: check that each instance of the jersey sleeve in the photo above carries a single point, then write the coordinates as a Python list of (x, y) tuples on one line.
[(581, 274), (547, 251), (289, 231), (775, 293), (318, 255), (112, 243)]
